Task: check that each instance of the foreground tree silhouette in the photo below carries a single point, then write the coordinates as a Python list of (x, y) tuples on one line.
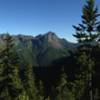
[(83, 80), (10, 83), (29, 82), (40, 92), (87, 33), (62, 92)]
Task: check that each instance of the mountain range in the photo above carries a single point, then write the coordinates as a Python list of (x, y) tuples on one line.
[(41, 50)]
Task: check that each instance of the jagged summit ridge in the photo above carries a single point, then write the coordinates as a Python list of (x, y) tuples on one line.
[(41, 50), (49, 38)]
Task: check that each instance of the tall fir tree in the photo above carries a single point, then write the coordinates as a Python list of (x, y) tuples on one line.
[(41, 93), (83, 81), (29, 82), (62, 91), (10, 83), (87, 33)]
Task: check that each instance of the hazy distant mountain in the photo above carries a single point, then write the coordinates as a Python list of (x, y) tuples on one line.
[(41, 50)]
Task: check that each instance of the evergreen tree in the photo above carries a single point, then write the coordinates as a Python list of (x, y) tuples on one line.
[(10, 83), (88, 30), (62, 90), (83, 82), (40, 93), (29, 82), (87, 33)]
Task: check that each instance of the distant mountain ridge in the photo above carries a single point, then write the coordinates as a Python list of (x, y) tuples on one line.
[(41, 50)]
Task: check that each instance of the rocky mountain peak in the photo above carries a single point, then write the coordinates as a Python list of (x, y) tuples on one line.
[(51, 35), (53, 39)]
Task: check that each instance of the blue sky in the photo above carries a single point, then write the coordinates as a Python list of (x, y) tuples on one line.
[(33, 17)]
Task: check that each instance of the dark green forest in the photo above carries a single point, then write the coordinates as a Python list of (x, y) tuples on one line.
[(49, 68)]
